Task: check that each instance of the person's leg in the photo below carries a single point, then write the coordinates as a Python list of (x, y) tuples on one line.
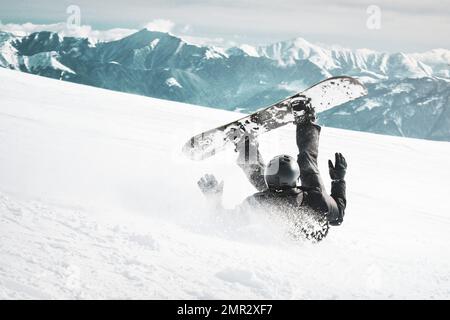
[(308, 147)]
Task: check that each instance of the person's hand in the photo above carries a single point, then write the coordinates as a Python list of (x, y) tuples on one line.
[(338, 170), (209, 185)]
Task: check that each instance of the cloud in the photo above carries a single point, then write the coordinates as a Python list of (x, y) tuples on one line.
[(86, 31), (217, 42), (405, 25), (161, 25), (186, 29), (62, 28)]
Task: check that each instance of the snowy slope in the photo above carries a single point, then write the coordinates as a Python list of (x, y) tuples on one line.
[(97, 202)]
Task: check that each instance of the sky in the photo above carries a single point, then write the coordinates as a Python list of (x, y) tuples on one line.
[(383, 25)]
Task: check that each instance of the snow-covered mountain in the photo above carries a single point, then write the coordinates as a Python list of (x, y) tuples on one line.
[(363, 63), (243, 78), (97, 201), (418, 108), (8, 53)]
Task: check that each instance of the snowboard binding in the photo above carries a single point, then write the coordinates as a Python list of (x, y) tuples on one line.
[(303, 110), (299, 108)]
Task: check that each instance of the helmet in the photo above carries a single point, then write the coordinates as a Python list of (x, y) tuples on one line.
[(282, 172)]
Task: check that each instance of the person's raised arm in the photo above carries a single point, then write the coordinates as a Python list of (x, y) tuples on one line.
[(338, 186), (250, 161)]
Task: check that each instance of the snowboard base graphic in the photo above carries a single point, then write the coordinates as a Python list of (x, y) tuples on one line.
[(324, 95)]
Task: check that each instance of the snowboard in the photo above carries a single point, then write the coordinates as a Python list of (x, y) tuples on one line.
[(324, 95)]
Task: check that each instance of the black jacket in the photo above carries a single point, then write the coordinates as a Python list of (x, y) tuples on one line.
[(311, 194)]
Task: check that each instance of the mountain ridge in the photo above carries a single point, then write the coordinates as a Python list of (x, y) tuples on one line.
[(244, 78)]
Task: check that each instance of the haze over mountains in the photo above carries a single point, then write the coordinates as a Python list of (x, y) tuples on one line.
[(408, 93)]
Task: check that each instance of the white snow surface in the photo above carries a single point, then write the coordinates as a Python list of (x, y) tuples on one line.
[(249, 50), (97, 201), (43, 60), (154, 43), (172, 82)]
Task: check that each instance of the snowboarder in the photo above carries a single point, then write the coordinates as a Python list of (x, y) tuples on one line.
[(277, 182)]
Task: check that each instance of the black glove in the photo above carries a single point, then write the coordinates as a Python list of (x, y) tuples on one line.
[(337, 172)]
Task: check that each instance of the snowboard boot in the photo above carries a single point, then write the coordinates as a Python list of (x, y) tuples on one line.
[(304, 112)]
